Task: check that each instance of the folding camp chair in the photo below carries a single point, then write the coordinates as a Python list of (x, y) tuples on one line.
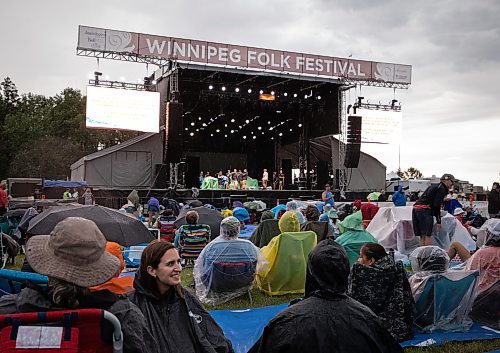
[(11, 282), (232, 276), (446, 301), (192, 240), (167, 228), (132, 255), (83, 330)]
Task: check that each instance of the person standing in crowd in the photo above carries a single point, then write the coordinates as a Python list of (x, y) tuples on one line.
[(265, 178), (73, 257), (399, 197), (88, 198), (153, 209), (67, 194), (281, 179), (327, 196), (4, 200), (75, 194), (175, 317), (382, 197), (428, 206), (327, 320), (494, 200)]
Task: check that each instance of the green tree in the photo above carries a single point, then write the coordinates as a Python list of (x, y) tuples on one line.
[(410, 173)]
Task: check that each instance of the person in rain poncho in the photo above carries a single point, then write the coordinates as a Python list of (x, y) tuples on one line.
[(353, 236), (267, 229), (399, 197), (327, 320), (117, 284), (380, 283), (175, 317), (211, 286), (291, 206)]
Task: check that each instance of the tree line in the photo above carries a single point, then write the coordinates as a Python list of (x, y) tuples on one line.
[(42, 136)]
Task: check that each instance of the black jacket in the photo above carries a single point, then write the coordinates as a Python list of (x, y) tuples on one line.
[(327, 320), (493, 202), (433, 197), (179, 324)]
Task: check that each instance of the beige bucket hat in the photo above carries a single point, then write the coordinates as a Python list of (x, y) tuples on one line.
[(74, 252)]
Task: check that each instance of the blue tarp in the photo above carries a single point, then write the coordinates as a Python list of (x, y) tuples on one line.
[(244, 327), (64, 184), (248, 231)]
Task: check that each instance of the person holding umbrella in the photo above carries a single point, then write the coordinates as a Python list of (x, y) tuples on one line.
[(73, 256)]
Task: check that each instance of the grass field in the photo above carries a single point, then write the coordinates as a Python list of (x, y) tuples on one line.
[(259, 300)]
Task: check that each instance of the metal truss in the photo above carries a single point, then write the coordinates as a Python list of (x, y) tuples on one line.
[(123, 57), (375, 83), (119, 84), (173, 175)]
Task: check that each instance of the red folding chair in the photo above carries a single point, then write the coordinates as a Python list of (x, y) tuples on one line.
[(82, 331)]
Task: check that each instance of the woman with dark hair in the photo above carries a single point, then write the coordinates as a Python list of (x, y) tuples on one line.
[(175, 317), (381, 284)]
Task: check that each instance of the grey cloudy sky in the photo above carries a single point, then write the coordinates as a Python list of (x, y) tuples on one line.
[(451, 114)]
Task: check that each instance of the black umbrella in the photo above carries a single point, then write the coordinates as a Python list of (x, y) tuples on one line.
[(116, 226), (207, 216), (17, 212)]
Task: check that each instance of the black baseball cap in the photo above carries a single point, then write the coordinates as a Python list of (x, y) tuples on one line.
[(448, 177)]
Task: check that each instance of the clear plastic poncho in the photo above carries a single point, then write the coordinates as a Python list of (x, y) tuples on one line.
[(226, 269), (443, 298)]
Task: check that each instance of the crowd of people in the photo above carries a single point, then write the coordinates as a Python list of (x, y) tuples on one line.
[(238, 179), (352, 286)]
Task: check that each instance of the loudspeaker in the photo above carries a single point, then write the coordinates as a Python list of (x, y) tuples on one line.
[(173, 132), (192, 169), (286, 165), (322, 174), (352, 154)]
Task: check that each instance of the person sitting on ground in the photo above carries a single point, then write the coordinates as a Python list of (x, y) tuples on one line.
[(326, 210), (73, 256), (226, 248), (117, 284), (320, 228), (175, 317), (380, 283), (291, 206), (268, 228), (459, 213), (327, 320), (289, 223), (153, 210), (425, 261)]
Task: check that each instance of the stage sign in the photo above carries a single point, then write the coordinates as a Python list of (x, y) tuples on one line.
[(121, 109), (218, 54), (380, 126)]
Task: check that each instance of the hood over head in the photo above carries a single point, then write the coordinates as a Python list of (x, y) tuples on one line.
[(327, 270)]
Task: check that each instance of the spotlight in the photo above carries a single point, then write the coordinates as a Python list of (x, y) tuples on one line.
[(232, 131), (223, 88), (291, 130), (300, 125), (249, 90), (199, 129), (251, 132), (254, 137), (319, 97), (236, 89), (295, 95), (217, 130), (210, 87), (239, 126), (272, 138), (261, 91), (268, 123), (232, 120), (272, 93), (305, 96), (247, 121), (225, 135), (244, 137), (285, 94), (186, 129), (199, 118), (262, 132), (212, 135), (192, 124), (278, 112), (191, 134), (204, 125), (225, 125), (271, 128), (260, 128), (281, 134)]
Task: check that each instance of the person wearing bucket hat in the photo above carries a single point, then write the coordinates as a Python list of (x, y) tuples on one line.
[(73, 257), (428, 207)]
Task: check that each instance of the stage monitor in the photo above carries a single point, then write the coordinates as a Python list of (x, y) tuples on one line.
[(121, 109)]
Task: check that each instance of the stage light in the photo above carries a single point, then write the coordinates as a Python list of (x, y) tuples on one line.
[(223, 88), (239, 126), (244, 137), (225, 125), (254, 137), (217, 130), (191, 134), (247, 121), (225, 135), (271, 128), (197, 129), (272, 138), (232, 131), (319, 97), (300, 125), (236, 89), (261, 91), (262, 132), (281, 134), (212, 135), (210, 87), (305, 96), (278, 112), (272, 93), (192, 124), (232, 120), (199, 118), (204, 125), (295, 95), (186, 129), (268, 123), (285, 94), (153, 82), (260, 128), (249, 90), (251, 132), (291, 130)]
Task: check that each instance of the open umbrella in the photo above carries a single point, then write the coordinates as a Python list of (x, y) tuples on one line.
[(207, 216), (116, 226), (373, 196)]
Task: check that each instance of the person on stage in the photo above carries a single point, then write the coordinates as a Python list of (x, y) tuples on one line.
[(265, 178), (234, 180), (281, 179), (229, 179), (327, 196), (244, 177)]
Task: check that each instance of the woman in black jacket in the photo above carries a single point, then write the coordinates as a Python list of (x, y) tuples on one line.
[(175, 317)]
